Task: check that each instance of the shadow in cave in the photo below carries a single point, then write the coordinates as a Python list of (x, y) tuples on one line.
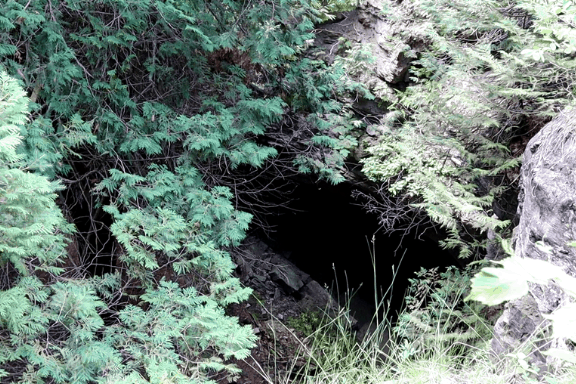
[(330, 237), (95, 245)]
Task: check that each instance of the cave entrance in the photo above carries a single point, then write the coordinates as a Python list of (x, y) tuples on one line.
[(94, 244), (333, 239)]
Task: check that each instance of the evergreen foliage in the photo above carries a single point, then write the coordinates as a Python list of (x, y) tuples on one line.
[(153, 115), (31, 226), (152, 122), (493, 286), (484, 74), (435, 316)]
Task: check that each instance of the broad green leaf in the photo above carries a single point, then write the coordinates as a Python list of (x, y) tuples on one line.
[(563, 320), (496, 285), (561, 354), (493, 286)]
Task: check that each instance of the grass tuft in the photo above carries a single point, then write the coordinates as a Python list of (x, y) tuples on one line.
[(333, 353)]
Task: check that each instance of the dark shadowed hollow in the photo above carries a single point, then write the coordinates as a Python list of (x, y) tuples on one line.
[(330, 237)]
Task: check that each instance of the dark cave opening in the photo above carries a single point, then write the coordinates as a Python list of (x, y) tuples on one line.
[(94, 240), (332, 238), (95, 245)]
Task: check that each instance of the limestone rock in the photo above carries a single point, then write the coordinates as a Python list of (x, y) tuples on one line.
[(291, 278), (367, 26), (314, 295), (547, 201), (287, 290), (547, 211), (516, 327)]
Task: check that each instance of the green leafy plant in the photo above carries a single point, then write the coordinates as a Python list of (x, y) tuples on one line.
[(483, 74), (492, 286), (31, 226), (306, 322), (435, 315), (327, 8), (164, 120)]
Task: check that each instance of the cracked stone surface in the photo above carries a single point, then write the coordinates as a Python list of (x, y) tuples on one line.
[(547, 212)]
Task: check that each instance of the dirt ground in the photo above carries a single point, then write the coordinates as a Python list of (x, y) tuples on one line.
[(275, 355)]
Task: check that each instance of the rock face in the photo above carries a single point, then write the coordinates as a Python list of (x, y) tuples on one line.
[(367, 28), (547, 211), (286, 290), (547, 202)]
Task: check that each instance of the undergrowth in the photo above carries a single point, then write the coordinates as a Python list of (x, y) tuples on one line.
[(437, 339)]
